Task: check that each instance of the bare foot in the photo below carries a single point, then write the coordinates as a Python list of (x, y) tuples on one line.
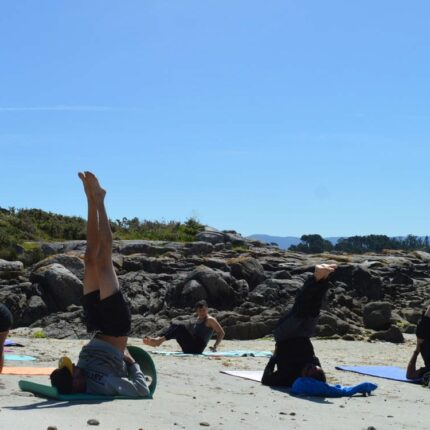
[(153, 341), (84, 181), (93, 185), (322, 271)]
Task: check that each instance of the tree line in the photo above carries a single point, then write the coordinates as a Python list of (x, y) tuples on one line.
[(315, 244)]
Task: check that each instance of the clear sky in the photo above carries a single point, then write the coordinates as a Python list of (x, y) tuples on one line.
[(281, 117)]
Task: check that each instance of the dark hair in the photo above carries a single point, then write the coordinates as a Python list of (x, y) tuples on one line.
[(201, 304), (320, 375), (62, 380)]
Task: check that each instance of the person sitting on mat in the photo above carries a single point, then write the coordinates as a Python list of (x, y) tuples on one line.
[(192, 338), (6, 322), (105, 366), (294, 354), (422, 346)]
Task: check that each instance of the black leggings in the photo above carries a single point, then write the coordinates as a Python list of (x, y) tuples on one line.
[(189, 344), (302, 319)]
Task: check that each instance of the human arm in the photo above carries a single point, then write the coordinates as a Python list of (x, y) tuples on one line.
[(270, 375), (216, 327), (412, 372), (135, 385)]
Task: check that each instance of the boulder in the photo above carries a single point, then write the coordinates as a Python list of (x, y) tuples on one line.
[(393, 334), (248, 268), (60, 287), (70, 262), (36, 308), (10, 269), (377, 315)]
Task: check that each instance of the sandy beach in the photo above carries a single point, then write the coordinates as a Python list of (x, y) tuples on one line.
[(193, 394)]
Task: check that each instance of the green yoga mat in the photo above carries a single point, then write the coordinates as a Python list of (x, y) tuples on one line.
[(141, 356)]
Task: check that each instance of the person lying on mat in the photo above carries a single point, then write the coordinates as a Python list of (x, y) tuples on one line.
[(422, 346), (105, 365), (294, 354), (6, 322), (192, 338)]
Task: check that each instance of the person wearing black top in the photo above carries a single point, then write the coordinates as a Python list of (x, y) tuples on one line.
[(294, 354), (6, 322), (423, 347)]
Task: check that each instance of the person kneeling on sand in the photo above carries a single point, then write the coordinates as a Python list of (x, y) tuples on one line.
[(105, 366), (423, 347), (294, 354), (192, 338), (6, 322)]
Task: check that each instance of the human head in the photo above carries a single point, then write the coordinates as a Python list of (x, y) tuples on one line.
[(201, 309), (68, 378), (311, 370)]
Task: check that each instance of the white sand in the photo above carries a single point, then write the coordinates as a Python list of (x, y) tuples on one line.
[(191, 391)]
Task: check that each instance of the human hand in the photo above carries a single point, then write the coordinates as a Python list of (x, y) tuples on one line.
[(128, 358), (322, 271), (213, 348)]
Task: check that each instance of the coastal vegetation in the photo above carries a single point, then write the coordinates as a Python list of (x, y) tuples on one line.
[(21, 228)]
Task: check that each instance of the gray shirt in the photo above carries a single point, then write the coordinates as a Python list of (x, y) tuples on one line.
[(107, 373)]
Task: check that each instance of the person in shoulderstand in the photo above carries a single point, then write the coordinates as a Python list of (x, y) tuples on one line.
[(105, 366), (294, 355), (192, 338)]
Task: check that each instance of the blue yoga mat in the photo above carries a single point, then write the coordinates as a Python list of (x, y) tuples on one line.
[(387, 372), (10, 342), (12, 357), (235, 353)]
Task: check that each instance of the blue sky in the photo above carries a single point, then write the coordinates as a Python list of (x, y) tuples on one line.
[(280, 117)]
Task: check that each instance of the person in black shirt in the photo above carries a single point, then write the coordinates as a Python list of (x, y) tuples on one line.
[(294, 354), (422, 346)]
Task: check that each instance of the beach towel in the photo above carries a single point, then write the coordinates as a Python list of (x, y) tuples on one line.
[(387, 372), (27, 370), (52, 393), (13, 357), (234, 353), (308, 386), (312, 387)]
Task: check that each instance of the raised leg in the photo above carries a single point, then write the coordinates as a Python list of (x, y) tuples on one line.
[(90, 276), (101, 254)]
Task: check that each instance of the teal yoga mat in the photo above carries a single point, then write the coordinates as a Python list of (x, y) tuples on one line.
[(142, 357), (13, 357), (235, 353)]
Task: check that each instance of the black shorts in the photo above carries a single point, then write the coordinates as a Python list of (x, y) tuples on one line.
[(6, 319), (110, 316)]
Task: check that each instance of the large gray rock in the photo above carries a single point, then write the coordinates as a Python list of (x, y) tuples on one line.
[(393, 334), (70, 262), (36, 308), (248, 268), (377, 315), (219, 292), (10, 269), (60, 287)]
